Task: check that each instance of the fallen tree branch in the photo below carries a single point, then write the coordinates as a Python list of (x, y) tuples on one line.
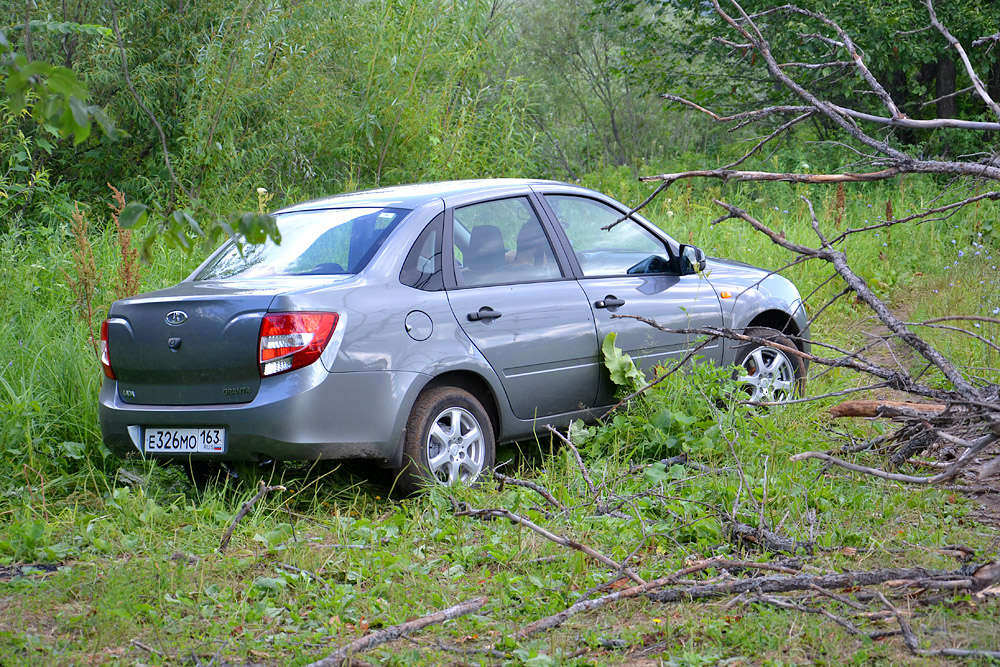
[(949, 474), (914, 645), (876, 408), (786, 177), (764, 539), (774, 584), (955, 44), (558, 539), (244, 510), (576, 455), (342, 656), (540, 490), (788, 604), (555, 620)]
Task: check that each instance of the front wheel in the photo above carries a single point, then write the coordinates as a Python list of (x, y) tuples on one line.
[(768, 374), (449, 440)]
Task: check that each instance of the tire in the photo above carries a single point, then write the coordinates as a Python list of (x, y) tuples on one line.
[(449, 440), (768, 374)]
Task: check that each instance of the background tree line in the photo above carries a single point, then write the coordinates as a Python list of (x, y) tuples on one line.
[(308, 98)]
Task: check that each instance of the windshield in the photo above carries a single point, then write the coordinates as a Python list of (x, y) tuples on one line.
[(328, 242)]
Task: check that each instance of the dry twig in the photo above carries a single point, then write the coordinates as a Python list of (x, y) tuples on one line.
[(244, 510), (497, 513), (344, 654)]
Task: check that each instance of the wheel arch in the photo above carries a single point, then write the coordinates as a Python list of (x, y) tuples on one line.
[(779, 321)]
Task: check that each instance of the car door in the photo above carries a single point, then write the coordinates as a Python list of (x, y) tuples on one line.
[(515, 297), (630, 270)]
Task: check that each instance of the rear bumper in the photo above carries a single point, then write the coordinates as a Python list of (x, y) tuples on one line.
[(303, 415)]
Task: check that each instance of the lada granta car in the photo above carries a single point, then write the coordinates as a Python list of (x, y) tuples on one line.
[(422, 325)]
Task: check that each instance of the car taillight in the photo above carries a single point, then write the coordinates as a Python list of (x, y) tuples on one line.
[(103, 351), (293, 340)]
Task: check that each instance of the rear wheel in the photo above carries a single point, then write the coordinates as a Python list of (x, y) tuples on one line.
[(449, 440), (768, 374)]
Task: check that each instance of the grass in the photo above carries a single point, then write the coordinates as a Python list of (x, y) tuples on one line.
[(137, 566)]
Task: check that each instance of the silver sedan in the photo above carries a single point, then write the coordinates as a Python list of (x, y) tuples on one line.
[(421, 325)]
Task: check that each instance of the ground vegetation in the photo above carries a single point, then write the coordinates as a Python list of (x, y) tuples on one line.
[(684, 528)]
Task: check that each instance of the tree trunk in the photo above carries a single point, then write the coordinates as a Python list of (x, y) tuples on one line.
[(947, 107)]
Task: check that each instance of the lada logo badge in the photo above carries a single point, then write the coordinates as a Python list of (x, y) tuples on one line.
[(176, 318)]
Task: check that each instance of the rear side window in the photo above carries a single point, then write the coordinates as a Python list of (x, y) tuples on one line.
[(422, 266), (328, 242)]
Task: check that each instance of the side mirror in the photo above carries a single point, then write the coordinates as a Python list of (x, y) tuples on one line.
[(692, 260)]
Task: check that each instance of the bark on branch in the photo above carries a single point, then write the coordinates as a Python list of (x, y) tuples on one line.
[(342, 656)]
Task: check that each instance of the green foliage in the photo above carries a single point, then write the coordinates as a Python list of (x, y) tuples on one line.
[(678, 416), (623, 371), (916, 69), (51, 94), (308, 99)]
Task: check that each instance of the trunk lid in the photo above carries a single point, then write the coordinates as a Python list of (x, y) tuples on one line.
[(195, 343)]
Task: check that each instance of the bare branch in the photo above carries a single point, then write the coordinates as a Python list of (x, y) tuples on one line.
[(343, 655), (555, 620), (244, 510), (835, 63), (976, 82), (739, 176), (558, 539), (776, 584), (638, 208), (760, 144), (946, 476), (576, 455), (846, 112), (989, 39), (787, 604), (540, 490), (945, 97), (993, 195), (860, 287)]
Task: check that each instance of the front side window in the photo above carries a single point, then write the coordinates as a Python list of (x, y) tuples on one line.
[(628, 248), (327, 242), (501, 241)]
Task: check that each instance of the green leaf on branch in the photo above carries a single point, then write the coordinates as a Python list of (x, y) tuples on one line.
[(63, 28), (255, 228), (134, 213), (623, 371)]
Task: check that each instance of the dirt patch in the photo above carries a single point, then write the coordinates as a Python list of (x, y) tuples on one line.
[(988, 512), (8, 572)]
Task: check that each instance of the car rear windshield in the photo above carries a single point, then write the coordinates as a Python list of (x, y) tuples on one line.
[(327, 242)]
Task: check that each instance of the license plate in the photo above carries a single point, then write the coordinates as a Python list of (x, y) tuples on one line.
[(184, 440)]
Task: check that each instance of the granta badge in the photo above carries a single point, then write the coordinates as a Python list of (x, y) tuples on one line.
[(176, 318)]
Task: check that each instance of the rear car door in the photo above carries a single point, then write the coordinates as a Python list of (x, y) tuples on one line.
[(630, 270), (514, 295)]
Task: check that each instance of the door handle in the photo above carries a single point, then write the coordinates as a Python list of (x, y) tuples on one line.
[(610, 301), (485, 314)]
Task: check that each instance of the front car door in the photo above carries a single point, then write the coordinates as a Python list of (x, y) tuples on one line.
[(514, 295), (631, 270)]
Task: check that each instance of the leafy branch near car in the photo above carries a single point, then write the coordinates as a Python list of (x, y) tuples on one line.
[(57, 101)]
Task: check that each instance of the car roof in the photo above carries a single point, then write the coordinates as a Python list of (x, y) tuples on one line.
[(411, 196)]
